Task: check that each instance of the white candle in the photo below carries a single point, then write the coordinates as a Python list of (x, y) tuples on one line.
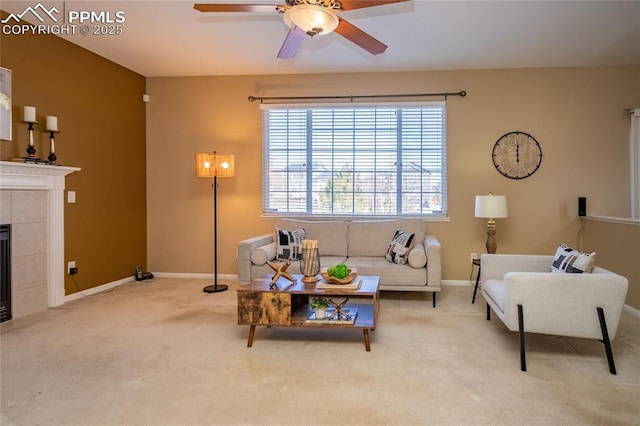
[(52, 123), (30, 114)]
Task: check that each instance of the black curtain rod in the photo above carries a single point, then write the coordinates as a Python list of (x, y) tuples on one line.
[(352, 97)]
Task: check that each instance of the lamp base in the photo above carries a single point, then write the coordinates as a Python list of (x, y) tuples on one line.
[(215, 288), (491, 243)]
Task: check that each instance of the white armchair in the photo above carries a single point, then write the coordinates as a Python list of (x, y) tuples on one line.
[(528, 298)]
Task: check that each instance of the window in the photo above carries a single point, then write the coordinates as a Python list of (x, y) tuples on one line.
[(355, 160)]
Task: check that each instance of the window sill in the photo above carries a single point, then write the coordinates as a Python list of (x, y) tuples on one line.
[(336, 217)]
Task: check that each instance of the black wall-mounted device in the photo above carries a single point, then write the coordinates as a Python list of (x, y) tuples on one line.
[(582, 206)]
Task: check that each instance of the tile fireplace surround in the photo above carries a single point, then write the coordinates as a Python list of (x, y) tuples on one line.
[(32, 201)]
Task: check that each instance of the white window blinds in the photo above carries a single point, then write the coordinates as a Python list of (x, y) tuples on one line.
[(355, 160)]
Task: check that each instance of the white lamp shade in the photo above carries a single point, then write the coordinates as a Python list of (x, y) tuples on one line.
[(491, 206), (311, 18)]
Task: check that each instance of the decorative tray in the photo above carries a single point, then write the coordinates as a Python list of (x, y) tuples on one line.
[(353, 273)]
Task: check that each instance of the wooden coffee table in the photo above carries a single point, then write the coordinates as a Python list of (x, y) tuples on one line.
[(287, 305)]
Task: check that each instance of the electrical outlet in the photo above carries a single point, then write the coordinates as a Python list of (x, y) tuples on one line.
[(71, 266), (473, 256)]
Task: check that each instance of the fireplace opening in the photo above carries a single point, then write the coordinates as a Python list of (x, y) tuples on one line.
[(5, 273)]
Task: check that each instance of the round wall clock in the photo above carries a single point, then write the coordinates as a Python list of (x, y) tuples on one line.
[(517, 155)]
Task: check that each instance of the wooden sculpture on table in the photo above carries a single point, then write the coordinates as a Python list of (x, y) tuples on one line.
[(280, 269), (339, 312)]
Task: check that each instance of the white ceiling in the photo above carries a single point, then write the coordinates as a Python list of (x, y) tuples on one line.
[(170, 38)]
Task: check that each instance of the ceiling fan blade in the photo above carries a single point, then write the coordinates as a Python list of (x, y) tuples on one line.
[(204, 7), (292, 43), (359, 4), (359, 37)]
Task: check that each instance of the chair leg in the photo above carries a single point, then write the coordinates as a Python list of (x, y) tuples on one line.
[(523, 361), (606, 341), (434, 299), (488, 312)]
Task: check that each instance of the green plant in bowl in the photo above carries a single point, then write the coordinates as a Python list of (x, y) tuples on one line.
[(339, 271)]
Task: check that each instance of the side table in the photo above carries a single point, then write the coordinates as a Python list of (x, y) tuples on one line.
[(476, 262)]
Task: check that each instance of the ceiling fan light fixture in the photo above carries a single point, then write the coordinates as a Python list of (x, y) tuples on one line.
[(313, 19)]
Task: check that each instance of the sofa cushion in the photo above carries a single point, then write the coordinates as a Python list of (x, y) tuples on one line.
[(263, 254), (389, 273), (568, 260), (371, 238), (331, 235), (289, 244), (400, 246), (417, 256)]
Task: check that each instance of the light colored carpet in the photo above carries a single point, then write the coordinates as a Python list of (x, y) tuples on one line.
[(165, 353)]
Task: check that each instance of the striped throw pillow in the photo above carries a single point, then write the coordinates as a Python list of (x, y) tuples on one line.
[(401, 245), (289, 244), (571, 261)]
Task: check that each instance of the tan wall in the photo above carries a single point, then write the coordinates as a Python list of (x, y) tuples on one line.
[(102, 121), (617, 247), (578, 115)]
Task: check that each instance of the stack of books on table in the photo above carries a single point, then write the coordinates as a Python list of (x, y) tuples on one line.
[(353, 285)]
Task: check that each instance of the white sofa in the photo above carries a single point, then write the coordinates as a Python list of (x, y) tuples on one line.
[(527, 297), (359, 244)]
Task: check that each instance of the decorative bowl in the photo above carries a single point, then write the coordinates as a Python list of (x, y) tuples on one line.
[(353, 273)]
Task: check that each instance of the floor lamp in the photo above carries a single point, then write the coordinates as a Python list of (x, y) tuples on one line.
[(491, 207), (215, 165)]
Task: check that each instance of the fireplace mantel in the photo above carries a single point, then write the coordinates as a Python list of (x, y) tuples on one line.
[(32, 176), (25, 176)]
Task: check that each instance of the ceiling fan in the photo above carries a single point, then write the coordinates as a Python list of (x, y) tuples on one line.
[(311, 18)]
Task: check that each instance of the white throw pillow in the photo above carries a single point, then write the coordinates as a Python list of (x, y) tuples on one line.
[(568, 260), (401, 245), (263, 254), (417, 257)]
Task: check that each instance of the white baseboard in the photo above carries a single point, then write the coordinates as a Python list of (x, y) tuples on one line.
[(96, 290), (131, 279), (458, 283), (632, 311)]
